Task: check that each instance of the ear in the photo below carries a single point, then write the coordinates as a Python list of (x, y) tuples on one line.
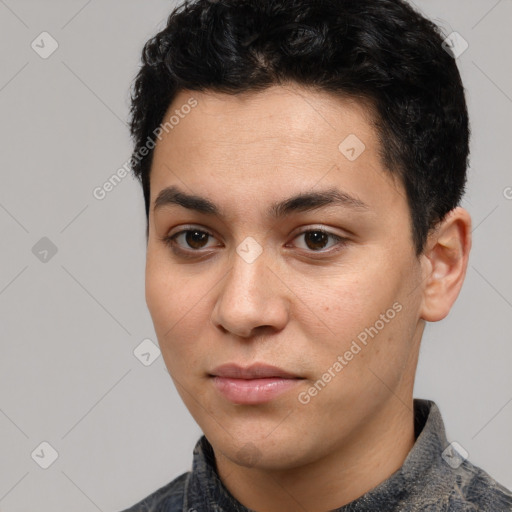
[(444, 264)]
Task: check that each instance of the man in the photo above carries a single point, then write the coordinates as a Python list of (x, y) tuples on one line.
[(302, 165)]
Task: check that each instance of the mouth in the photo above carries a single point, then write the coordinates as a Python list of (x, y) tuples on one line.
[(255, 384)]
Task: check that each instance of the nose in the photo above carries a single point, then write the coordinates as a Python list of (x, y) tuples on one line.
[(253, 298)]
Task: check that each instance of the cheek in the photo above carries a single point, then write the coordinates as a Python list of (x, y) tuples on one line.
[(178, 308), (351, 301), (168, 293), (350, 308), (179, 303)]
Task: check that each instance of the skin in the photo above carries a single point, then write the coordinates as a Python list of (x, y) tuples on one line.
[(299, 305)]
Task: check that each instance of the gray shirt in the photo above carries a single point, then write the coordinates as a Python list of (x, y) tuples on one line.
[(433, 477)]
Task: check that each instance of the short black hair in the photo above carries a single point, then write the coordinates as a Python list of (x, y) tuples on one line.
[(382, 52)]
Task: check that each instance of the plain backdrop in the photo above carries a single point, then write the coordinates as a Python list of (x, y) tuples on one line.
[(72, 307)]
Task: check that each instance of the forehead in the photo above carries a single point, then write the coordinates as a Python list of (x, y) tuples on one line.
[(263, 144), (293, 113)]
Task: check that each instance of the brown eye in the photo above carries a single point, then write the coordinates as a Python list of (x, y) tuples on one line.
[(190, 240), (196, 239), (317, 239)]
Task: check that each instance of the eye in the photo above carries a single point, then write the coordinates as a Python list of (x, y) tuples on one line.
[(317, 239), (193, 240), (188, 240)]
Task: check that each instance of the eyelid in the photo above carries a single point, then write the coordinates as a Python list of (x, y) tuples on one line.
[(316, 227), (191, 227)]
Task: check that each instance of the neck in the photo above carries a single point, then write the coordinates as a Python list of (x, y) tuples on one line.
[(363, 460)]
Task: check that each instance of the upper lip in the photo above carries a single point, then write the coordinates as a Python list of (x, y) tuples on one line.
[(254, 371)]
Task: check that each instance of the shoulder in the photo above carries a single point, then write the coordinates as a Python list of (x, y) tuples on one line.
[(480, 488), (472, 489), (168, 498), (452, 483)]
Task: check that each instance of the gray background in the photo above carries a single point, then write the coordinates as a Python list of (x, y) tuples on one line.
[(69, 324)]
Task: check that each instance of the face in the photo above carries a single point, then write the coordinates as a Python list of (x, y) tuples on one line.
[(325, 287)]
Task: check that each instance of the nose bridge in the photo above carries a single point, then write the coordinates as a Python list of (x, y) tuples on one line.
[(248, 274), (249, 297)]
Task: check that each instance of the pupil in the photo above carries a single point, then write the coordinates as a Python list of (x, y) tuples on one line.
[(194, 238), (316, 237)]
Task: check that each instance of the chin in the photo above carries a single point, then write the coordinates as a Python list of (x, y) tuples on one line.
[(257, 450)]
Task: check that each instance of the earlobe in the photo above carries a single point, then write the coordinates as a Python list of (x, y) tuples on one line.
[(445, 264)]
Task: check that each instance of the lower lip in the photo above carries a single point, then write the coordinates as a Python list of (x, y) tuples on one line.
[(253, 391)]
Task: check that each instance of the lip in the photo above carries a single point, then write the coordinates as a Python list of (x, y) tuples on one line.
[(254, 371), (255, 384)]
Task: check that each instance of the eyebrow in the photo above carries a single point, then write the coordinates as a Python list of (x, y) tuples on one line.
[(302, 202)]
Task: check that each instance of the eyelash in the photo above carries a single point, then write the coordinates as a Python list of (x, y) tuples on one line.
[(170, 241)]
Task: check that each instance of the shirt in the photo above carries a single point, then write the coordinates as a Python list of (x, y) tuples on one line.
[(433, 477)]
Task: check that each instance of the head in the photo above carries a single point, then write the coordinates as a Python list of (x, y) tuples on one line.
[(302, 165)]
